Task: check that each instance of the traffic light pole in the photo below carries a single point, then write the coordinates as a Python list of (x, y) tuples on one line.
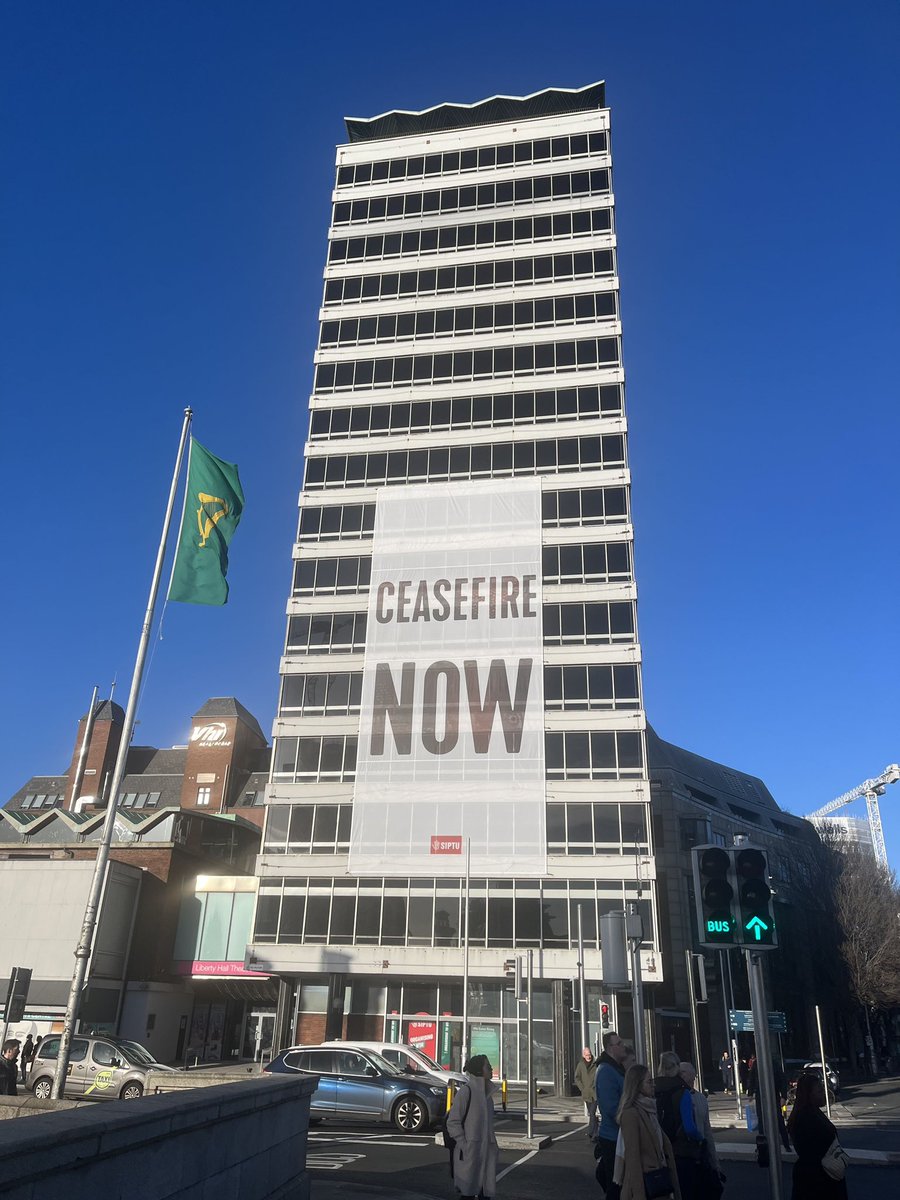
[(634, 928), (529, 1055), (695, 1024), (765, 1078), (582, 1007)]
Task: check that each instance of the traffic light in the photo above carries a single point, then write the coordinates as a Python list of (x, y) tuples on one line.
[(714, 887), (755, 897), (604, 1016), (512, 969), (733, 899)]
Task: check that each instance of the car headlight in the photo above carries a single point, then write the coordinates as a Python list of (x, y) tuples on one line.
[(436, 1091)]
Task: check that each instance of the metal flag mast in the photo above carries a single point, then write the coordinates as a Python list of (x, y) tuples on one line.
[(89, 925)]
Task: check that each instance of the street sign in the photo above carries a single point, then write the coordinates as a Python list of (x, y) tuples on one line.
[(741, 1021), (17, 995)]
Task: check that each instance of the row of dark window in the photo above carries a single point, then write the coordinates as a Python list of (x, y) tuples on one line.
[(465, 277), (590, 623), (481, 235), (565, 186), (553, 456), (467, 412), (572, 688), (581, 506), (470, 318), (463, 366), (594, 754), (599, 562), (397, 912), (510, 154)]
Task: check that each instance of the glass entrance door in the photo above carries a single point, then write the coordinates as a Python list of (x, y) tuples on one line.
[(259, 1034)]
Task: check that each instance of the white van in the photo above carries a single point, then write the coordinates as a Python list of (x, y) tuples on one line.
[(408, 1059)]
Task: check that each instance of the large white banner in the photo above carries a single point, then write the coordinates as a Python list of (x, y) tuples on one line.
[(451, 737)]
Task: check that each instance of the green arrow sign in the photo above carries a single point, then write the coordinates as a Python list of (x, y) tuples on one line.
[(757, 926)]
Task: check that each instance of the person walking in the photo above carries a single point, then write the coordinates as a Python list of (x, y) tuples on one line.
[(470, 1123), (609, 1081), (9, 1071), (645, 1169), (727, 1070), (26, 1056), (586, 1082), (710, 1178), (676, 1116), (821, 1161)]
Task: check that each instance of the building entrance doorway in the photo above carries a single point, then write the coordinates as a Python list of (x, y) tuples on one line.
[(259, 1034)]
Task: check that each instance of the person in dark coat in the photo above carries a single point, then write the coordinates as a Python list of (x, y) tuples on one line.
[(27, 1055), (609, 1081), (9, 1070), (585, 1081), (812, 1134), (726, 1070)]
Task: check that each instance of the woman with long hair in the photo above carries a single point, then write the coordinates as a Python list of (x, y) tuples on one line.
[(814, 1138), (647, 1165)]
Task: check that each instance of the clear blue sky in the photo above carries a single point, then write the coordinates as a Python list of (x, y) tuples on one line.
[(167, 168)]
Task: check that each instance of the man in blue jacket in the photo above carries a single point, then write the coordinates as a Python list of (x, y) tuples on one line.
[(610, 1081)]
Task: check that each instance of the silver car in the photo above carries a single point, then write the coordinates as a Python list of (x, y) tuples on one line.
[(100, 1068)]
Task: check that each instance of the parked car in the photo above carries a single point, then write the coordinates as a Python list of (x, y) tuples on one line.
[(103, 1068), (408, 1059), (797, 1067), (360, 1083)]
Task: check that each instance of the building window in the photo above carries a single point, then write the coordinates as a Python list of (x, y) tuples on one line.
[(583, 688), (564, 186), (482, 236), (326, 633), (335, 694), (591, 829), (503, 410), (498, 460), (481, 159), (429, 324), (204, 794), (594, 624), (593, 755), (695, 831), (470, 277), (463, 366), (314, 759)]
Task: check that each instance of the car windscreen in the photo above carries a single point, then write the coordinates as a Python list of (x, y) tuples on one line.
[(382, 1064), (137, 1055), (427, 1058)]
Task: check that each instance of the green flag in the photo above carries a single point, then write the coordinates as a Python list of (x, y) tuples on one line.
[(213, 504)]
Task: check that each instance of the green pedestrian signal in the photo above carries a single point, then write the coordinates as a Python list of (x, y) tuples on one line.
[(733, 899)]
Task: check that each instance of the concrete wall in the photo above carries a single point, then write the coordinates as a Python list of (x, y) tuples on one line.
[(238, 1141), (166, 1004)]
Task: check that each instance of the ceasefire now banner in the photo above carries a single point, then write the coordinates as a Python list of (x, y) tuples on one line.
[(451, 739)]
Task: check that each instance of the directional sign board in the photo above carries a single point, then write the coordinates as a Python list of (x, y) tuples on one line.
[(741, 1020), (17, 996)]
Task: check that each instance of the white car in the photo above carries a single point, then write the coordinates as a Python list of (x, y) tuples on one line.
[(409, 1059)]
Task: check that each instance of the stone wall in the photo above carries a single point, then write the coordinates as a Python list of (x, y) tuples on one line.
[(234, 1141)]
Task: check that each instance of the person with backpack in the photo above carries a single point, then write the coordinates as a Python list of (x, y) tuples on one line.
[(676, 1117), (469, 1133)]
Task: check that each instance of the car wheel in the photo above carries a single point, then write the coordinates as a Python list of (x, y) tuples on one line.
[(131, 1091), (411, 1115), (42, 1089)]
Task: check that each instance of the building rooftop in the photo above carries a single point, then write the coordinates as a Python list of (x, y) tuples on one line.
[(546, 103), (228, 706)]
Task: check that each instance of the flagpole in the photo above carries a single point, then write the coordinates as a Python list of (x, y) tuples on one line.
[(85, 942)]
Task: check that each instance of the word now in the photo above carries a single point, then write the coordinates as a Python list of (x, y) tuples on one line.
[(444, 676)]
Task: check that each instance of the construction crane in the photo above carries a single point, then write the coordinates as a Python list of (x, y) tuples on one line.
[(871, 789)]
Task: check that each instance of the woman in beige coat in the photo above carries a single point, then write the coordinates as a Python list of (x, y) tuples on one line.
[(644, 1145)]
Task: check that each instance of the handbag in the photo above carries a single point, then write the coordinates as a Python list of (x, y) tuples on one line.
[(835, 1160), (658, 1183)]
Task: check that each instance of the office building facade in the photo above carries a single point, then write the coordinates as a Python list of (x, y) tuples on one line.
[(466, 464)]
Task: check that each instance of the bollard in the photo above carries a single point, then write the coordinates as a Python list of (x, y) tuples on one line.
[(503, 1092), (450, 1094)]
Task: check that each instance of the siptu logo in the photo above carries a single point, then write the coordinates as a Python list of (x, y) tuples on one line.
[(213, 734), (211, 511)]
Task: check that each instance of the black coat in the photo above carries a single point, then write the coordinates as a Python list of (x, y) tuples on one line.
[(812, 1133), (9, 1073)]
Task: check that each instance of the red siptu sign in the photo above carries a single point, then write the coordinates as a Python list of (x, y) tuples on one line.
[(446, 845)]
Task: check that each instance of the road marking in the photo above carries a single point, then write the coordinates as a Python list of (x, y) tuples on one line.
[(563, 1136), (517, 1163), (369, 1139), (330, 1162)]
